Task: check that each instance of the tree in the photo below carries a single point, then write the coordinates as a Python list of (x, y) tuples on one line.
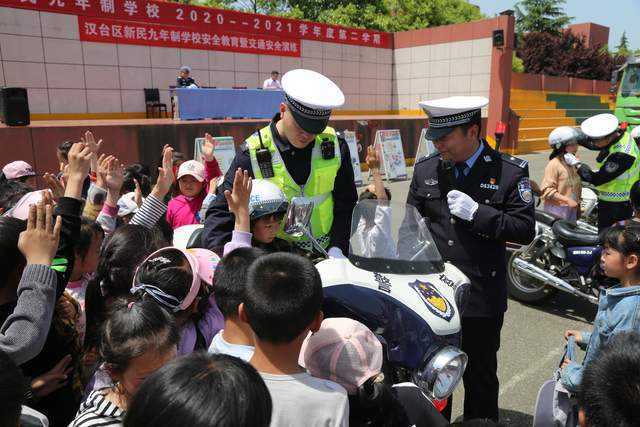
[(399, 15), (546, 16), (517, 66), (623, 48), (566, 55)]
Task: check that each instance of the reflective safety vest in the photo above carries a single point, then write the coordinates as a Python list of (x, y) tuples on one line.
[(319, 185), (619, 189)]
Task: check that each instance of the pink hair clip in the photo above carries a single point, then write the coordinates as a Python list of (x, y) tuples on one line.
[(130, 305)]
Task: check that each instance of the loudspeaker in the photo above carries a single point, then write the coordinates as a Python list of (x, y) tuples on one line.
[(14, 106), (498, 38)]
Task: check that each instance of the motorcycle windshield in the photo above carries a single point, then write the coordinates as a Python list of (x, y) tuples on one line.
[(631, 83), (390, 237)]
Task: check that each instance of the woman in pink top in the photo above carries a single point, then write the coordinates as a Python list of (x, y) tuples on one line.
[(193, 178)]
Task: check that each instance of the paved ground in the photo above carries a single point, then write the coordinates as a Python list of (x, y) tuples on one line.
[(532, 342)]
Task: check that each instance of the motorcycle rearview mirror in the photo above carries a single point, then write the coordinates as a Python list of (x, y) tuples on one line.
[(298, 221)]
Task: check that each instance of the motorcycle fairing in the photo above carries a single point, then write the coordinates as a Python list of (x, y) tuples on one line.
[(583, 257), (341, 273)]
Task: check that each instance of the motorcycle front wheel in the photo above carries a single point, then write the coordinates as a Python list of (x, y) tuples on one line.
[(525, 289)]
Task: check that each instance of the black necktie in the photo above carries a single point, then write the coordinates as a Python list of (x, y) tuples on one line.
[(460, 167)]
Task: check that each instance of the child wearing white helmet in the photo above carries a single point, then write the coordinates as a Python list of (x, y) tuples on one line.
[(561, 185), (259, 207)]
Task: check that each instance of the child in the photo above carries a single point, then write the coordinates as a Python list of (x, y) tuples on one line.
[(236, 338), (561, 187), (19, 171), (371, 238), (87, 252), (346, 351), (282, 304), (193, 178), (618, 305), (138, 339), (610, 391), (13, 389), (227, 393), (259, 207), (180, 280)]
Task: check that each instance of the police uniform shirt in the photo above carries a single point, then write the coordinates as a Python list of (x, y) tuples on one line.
[(615, 165), (182, 82), (500, 185), (219, 221)]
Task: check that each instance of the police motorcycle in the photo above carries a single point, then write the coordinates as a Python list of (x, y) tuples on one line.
[(563, 256), (395, 282)]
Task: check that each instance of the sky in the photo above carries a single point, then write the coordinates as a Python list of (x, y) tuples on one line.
[(618, 15)]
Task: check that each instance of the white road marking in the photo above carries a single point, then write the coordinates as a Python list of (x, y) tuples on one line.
[(532, 369)]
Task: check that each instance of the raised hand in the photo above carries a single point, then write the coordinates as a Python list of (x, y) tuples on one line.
[(372, 159), (115, 175), (138, 193), (238, 199), (101, 172), (39, 242), (51, 381), (208, 147), (54, 184), (165, 173), (90, 141), (79, 160)]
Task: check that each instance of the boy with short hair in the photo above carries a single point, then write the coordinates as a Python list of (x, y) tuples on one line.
[(236, 339), (282, 304), (610, 389)]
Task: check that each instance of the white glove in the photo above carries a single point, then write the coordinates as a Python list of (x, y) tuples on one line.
[(461, 205), (571, 159), (336, 253)]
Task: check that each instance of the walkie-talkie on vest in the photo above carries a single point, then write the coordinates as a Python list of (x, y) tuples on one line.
[(264, 160)]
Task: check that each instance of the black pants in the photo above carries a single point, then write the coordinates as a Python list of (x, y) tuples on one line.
[(481, 342), (611, 212)]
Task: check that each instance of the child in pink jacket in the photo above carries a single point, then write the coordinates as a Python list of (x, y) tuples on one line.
[(193, 181)]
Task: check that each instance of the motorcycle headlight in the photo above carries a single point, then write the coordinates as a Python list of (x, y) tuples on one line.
[(442, 373)]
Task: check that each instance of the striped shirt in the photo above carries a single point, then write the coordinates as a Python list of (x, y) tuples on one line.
[(98, 411)]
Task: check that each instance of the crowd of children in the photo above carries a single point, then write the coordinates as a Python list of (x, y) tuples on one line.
[(104, 323)]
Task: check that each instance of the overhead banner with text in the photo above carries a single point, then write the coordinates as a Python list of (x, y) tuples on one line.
[(203, 22)]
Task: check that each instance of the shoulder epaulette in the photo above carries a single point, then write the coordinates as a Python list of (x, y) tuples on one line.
[(514, 160), (429, 157)]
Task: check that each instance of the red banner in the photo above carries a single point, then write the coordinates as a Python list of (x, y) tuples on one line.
[(111, 31), (207, 20)]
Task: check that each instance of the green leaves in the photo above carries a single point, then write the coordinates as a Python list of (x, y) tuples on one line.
[(546, 16)]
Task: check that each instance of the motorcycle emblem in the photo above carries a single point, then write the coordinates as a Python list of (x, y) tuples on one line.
[(435, 302), (384, 284)]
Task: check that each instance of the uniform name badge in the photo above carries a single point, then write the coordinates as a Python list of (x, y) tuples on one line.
[(524, 190)]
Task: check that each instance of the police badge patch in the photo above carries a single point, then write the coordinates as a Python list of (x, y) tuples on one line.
[(433, 300), (611, 167), (524, 189)]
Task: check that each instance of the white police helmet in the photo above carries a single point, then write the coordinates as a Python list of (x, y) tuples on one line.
[(563, 135), (635, 133), (266, 199)]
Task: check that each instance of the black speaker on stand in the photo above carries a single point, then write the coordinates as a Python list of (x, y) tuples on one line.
[(14, 106)]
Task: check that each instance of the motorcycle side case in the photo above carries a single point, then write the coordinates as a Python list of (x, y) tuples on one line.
[(414, 314), (583, 257)]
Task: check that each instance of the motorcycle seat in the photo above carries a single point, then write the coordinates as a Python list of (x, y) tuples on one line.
[(545, 217), (568, 234)]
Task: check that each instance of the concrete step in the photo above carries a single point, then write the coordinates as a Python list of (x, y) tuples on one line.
[(539, 112), (531, 145), (527, 122), (535, 133), (523, 104)]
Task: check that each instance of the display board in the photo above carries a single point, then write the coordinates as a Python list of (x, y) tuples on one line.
[(224, 152), (352, 142), (389, 146), (425, 146)]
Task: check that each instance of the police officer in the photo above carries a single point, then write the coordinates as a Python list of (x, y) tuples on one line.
[(303, 157), (618, 167), (475, 200)]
